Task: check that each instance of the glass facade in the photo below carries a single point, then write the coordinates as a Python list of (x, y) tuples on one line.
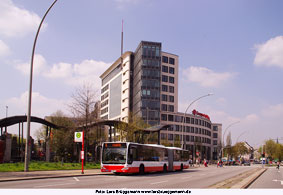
[(146, 82)]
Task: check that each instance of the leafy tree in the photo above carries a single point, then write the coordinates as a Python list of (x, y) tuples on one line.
[(239, 149), (270, 148), (62, 140), (131, 131)]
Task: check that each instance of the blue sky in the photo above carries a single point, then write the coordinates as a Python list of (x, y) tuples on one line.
[(233, 49)]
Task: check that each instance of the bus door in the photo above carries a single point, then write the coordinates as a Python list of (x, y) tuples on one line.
[(170, 159)]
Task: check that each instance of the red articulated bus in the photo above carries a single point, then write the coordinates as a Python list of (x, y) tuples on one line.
[(128, 157)]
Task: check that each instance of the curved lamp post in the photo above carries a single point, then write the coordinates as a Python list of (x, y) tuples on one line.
[(240, 136), (224, 135), (183, 124), (27, 153)]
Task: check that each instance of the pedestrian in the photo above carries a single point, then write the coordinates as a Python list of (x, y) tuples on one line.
[(205, 163), (278, 165), (218, 163)]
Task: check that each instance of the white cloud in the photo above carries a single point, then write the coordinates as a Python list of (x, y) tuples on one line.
[(39, 65), (251, 118), (273, 111), (60, 70), (15, 21), (41, 106), (4, 49), (206, 77), (270, 53), (88, 71)]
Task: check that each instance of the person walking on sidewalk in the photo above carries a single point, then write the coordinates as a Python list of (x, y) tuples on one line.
[(278, 165)]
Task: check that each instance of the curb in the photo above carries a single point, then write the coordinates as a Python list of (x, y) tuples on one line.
[(240, 181), (244, 184)]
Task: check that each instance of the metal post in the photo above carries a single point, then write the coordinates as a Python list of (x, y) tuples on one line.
[(6, 111), (30, 91)]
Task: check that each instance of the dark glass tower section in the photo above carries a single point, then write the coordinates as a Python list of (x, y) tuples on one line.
[(146, 82)]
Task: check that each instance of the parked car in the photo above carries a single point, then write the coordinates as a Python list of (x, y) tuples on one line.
[(247, 163)]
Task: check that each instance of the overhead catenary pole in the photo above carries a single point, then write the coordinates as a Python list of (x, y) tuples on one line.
[(26, 168)]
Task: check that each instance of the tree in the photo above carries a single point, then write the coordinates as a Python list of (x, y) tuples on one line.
[(131, 131), (239, 149), (229, 145), (270, 148), (84, 109), (61, 140)]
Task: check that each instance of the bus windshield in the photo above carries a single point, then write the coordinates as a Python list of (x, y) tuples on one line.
[(114, 154)]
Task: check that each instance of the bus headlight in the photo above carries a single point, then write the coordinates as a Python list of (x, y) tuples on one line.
[(125, 168)]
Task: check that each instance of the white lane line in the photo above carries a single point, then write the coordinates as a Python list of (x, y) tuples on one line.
[(158, 182), (53, 185), (76, 179), (187, 177)]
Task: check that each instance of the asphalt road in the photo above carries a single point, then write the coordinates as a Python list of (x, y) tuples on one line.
[(191, 178), (271, 178)]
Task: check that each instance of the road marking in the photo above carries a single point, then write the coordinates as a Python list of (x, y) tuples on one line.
[(76, 179), (53, 185), (158, 182), (187, 177)]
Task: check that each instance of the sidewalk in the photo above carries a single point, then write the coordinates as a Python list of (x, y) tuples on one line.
[(12, 176)]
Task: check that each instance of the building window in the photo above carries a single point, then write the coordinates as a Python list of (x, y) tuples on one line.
[(171, 70), (215, 128), (215, 135), (163, 107), (164, 117), (170, 117), (192, 130), (164, 59), (164, 78), (170, 136), (171, 89), (163, 136), (171, 108), (164, 68), (171, 61), (187, 119), (188, 129), (164, 98), (171, 98), (165, 88), (171, 79), (214, 142)]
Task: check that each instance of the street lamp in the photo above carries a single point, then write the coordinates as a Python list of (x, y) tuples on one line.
[(240, 136), (186, 112), (30, 90), (224, 135), (6, 111)]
